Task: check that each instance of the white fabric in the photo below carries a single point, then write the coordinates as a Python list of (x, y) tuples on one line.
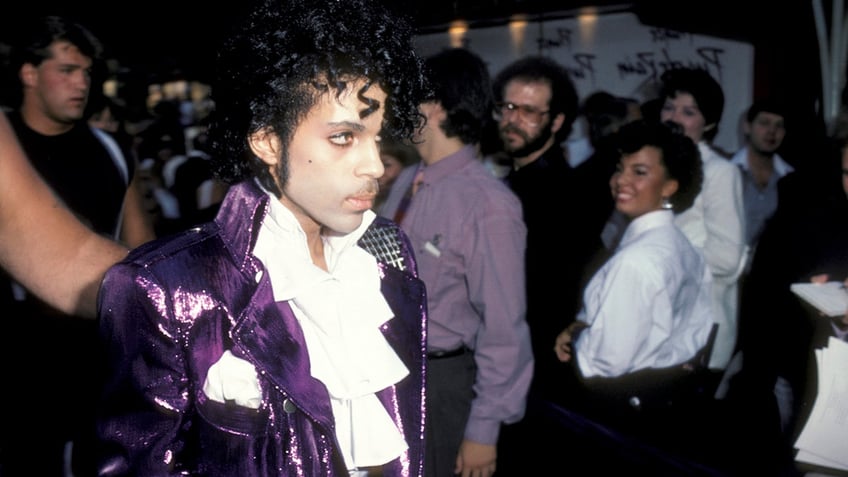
[(232, 378), (715, 224), (340, 313), (649, 305)]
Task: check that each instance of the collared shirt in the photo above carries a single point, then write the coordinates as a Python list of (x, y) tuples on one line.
[(649, 306), (469, 240), (341, 311), (760, 204)]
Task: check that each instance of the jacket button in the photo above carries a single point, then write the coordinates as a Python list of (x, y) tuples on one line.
[(289, 406)]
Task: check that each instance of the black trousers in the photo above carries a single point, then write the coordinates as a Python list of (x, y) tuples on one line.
[(449, 394)]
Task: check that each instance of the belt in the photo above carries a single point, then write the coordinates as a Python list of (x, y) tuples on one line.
[(453, 353)]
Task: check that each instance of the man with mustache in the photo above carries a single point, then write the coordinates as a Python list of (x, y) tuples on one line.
[(536, 105), (286, 336)]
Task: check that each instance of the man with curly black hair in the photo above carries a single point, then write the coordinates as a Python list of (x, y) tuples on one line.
[(285, 337)]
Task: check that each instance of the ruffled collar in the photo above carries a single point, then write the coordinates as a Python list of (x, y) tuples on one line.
[(341, 312)]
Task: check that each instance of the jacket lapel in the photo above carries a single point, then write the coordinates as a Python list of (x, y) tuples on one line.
[(270, 336)]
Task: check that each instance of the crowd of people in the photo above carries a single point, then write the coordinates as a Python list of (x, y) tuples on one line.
[(365, 262)]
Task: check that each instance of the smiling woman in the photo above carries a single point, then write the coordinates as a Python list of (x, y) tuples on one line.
[(646, 317)]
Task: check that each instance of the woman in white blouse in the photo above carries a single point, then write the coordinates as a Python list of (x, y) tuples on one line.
[(715, 224), (649, 305)]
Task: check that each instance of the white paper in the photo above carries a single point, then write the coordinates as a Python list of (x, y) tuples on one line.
[(824, 439), (830, 298)]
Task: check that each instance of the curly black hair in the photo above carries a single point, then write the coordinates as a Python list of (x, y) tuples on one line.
[(286, 54), (564, 97), (680, 156)]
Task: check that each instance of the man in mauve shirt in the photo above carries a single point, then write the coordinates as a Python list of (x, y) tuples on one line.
[(469, 237)]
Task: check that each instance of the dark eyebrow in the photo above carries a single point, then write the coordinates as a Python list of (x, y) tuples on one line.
[(349, 124)]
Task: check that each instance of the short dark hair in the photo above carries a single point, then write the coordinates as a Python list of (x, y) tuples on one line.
[(286, 54), (541, 68), (604, 113), (704, 89), (680, 156), (32, 46), (461, 84), (766, 105)]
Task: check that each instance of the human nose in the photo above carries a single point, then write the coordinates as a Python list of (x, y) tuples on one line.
[(82, 79), (371, 164), (619, 178)]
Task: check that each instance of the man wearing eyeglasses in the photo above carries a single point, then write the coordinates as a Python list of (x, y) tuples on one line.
[(536, 105)]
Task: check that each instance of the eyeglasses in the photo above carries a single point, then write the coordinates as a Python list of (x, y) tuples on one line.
[(530, 115)]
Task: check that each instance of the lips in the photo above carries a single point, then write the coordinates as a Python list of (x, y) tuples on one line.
[(362, 201), (623, 196)]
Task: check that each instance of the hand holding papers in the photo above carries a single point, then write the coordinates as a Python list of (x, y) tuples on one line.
[(824, 439), (830, 298)]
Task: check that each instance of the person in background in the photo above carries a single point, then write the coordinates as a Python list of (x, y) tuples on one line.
[(197, 192), (604, 114), (396, 157), (109, 114), (761, 166), (647, 312), (466, 228), (287, 336), (762, 170), (805, 240), (715, 224), (57, 62), (42, 245), (536, 105), (649, 305)]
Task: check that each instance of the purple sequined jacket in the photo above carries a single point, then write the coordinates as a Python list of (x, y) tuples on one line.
[(171, 309)]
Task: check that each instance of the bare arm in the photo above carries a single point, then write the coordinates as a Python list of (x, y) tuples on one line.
[(137, 226), (42, 245)]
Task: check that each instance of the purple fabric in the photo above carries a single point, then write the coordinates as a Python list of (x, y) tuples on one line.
[(171, 309)]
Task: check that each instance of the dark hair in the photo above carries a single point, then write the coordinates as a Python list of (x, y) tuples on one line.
[(766, 105), (286, 54), (604, 113), (680, 156), (32, 46), (541, 68), (404, 152), (704, 89), (461, 84)]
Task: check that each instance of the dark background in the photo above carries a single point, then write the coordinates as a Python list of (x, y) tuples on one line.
[(163, 36), (157, 40)]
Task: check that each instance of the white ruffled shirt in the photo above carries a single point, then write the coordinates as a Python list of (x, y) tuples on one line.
[(340, 313)]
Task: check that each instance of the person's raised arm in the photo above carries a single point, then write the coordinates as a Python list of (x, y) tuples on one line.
[(42, 245)]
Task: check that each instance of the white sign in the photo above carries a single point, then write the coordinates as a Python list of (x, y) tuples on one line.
[(618, 54)]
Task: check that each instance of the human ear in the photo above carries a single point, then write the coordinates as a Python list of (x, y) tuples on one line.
[(557, 123), (669, 188), (28, 75), (265, 144)]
